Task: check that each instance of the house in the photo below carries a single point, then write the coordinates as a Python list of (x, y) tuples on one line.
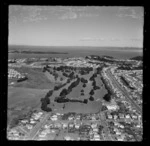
[(32, 122), (67, 138), (134, 116), (109, 116), (112, 107), (77, 126), (127, 116), (46, 126), (29, 126), (121, 116), (65, 125), (115, 117), (95, 130), (54, 118), (24, 121), (121, 126)]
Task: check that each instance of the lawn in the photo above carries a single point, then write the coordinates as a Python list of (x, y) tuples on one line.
[(91, 107), (36, 79), (18, 96), (22, 100), (75, 94)]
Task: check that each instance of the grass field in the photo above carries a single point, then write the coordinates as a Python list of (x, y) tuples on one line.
[(22, 100), (18, 96), (36, 79), (90, 107)]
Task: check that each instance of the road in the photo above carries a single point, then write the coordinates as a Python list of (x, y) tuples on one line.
[(36, 128), (106, 135), (122, 90)]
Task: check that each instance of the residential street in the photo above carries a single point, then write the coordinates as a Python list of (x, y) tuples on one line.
[(122, 90)]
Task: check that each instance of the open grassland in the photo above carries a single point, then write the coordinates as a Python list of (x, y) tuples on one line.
[(36, 79), (24, 97), (22, 100), (91, 107)]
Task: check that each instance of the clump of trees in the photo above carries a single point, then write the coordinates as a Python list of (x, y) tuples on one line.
[(64, 92), (84, 85), (93, 76), (45, 101), (44, 104), (61, 99), (84, 80), (91, 98), (59, 86), (104, 108), (82, 90), (107, 97), (85, 101), (82, 94), (91, 92)]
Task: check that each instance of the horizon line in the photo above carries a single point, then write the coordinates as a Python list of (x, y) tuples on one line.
[(73, 46)]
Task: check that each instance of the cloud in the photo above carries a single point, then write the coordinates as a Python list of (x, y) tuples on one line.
[(88, 15), (129, 12), (33, 14), (123, 8), (92, 39), (114, 39), (34, 19), (69, 15), (136, 39), (74, 12), (13, 20)]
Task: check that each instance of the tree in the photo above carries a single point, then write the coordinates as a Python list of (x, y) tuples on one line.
[(82, 94), (85, 101), (91, 98), (83, 80), (61, 79), (104, 108), (82, 90), (107, 97), (64, 92), (84, 85), (91, 92), (49, 93), (96, 87)]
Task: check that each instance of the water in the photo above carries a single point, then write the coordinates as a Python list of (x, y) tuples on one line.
[(77, 52)]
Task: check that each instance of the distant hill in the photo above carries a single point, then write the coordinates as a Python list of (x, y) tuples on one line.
[(138, 58), (110, 57)]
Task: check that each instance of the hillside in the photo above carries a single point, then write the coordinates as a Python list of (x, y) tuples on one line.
[(138, 58)]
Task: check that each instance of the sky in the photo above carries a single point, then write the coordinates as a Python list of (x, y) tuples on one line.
[(76, 26)]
